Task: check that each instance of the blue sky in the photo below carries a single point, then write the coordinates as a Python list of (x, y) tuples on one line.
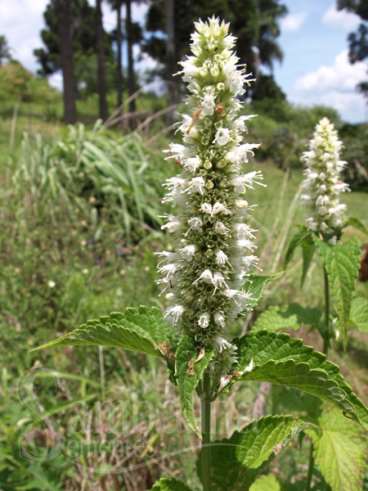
[(315, 68)]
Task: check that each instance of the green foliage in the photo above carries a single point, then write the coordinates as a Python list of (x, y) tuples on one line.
[(279, 359), (293, 316), (355, 138), (234, 460), (274, 319), (189, 370), (19, 85), (256, 284), (266, 483), (340, 450), (357, 224), (304, 239), (96, 173), (359, 313), (168, 484), (342, 263), (136, 329)]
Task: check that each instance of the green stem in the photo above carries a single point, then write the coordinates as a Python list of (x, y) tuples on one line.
[(206, 431), (327, 335), (310, 468), (326, 346)]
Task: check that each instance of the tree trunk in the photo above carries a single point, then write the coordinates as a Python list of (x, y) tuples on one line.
[(101, 64), (67, 65), (131, 78), (170, 52), (119, 40)]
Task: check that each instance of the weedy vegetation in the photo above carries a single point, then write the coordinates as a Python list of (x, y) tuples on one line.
[(219, 342)]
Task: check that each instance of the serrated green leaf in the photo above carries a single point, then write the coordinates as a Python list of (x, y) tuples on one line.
[(358, 224), (169, 484), (295, 242), (304, 239), (280, 359), (359, 313), (189, 368), (234, 460), (266, 483), (274, 319), (340, 452), (139, 329), (292, 316), (255, 286), (342, 263)]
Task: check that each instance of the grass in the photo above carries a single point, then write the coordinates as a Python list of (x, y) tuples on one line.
[(104, 419)]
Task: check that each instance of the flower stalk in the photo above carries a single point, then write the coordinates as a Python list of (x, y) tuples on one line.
[(203, 277), (323, 184)]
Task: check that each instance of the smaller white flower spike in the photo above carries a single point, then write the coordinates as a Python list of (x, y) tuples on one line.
[(213, 242), (322, 183)]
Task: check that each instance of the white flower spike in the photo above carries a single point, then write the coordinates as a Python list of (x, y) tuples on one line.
[(215, 246), (322, 184)]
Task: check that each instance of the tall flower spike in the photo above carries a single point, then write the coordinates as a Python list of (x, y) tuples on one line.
[(322, 184), (215, 249)]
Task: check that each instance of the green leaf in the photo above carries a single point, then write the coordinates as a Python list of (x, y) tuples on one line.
[(279, 359), (292, 316), (169, 484), (359, 313), (340, 450), (266, 483), (234, 460), (342, 263), (274, 319), (356, 223), (190, 367), (295, 242), (256, 284), (308, 249), (304, 239), (139, 329)]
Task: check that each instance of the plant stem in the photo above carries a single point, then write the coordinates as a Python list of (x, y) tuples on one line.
[(206, 431), (326, 346), (327, 335), (310, 468)]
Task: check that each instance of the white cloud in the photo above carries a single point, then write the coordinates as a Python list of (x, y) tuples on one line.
[(293, 22), (341, 75), (56, 80), (340, 18), (21, 22), (334, 85)]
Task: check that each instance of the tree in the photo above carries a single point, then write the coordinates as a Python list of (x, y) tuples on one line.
[(82, 26), (117, 5), (84, 46), (170, 48), (254, 22), (66, 60), (101, 63), (358, 40), (4, 50), (131, 78)]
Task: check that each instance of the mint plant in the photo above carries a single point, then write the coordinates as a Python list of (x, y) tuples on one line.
[(323, 233), (208, 283)]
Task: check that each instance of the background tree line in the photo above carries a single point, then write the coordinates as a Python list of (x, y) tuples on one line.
[(93, 60)]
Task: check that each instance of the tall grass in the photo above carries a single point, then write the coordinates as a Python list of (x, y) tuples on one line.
[(96, 172)]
